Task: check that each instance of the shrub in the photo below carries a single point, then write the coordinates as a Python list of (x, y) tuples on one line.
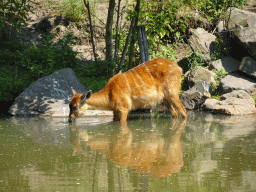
[(20, 66), (172, 23), (14, 12)]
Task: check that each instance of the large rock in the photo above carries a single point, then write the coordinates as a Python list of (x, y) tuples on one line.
[(236, 94), (235, 103), (243, 24), (200, 74), (236, 82), (248, 65), (209, 104), (228, 64), (196, 96), (203, 43), (49, 95)]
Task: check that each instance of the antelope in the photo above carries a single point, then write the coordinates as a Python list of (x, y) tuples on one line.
[(143, 86)]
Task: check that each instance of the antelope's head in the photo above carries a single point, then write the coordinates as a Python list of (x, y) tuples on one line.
[(77, 102)]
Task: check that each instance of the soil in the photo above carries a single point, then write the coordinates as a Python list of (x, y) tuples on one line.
[(60, 26)]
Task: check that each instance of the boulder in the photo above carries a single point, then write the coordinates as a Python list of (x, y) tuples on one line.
[(243, 24), (228, 64), (248, 65), (236, 94), (209, 104), (196, 96), (200, 74), (49, 95), (237, 102), (237, 82), (221, 26), (203, 43)]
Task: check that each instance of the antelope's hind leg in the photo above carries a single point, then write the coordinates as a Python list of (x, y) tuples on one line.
[(175, 105), (120, 115), (173, 110)]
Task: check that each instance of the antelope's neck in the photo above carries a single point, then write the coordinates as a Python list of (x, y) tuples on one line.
[(98, 100)]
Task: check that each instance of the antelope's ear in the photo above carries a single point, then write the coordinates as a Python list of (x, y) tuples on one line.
[(73, 91), (86, 96)]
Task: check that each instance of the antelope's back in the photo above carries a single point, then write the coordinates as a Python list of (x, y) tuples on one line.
[(146, 84), (162, 69), (156, 73)]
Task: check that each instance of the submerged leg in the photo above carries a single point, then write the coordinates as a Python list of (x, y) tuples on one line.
[(175, 102), (172, 109), (116, 116), (120, 115)]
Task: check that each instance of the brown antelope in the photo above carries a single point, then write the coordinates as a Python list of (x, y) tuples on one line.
[(144, 86)]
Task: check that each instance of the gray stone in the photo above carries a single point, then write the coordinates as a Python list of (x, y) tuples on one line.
[(196, 96), (200, 74), (236, 94), (209, 104), (221, 26), (236, 82), (49, 95), (237, 102), (203, 43), (248, 65), (235, 106), (243, 24), (228, 64)]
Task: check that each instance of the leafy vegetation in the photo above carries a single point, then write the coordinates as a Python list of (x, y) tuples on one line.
[(215, 10), (14, 12), (219, 75), (75, 10), (172, 23), (20, 66), (175, 17)]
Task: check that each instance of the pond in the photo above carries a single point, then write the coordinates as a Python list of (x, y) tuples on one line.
[(207, 152)]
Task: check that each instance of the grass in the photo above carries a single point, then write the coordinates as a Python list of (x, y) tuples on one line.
[(219, 75), (217, 97), (254, 98)]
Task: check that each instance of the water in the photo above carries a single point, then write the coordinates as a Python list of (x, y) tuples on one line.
[(206, 153)]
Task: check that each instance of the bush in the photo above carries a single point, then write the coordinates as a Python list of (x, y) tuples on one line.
[(10, 85), (94, 75), (167, 21), (172, 23), (14, 12), (215, 10), (20, 66)]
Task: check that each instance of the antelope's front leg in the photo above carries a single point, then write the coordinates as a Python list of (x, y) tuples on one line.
[(120, 115)]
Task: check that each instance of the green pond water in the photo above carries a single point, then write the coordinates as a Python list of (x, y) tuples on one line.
[(205, 153)]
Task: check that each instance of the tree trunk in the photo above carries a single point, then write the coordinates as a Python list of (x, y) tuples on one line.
[(91, 28), (117, 25), (121, 65), (109, 44), (137, 11)]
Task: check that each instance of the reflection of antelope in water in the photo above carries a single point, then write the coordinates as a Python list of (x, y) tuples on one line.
[(151, 153)]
